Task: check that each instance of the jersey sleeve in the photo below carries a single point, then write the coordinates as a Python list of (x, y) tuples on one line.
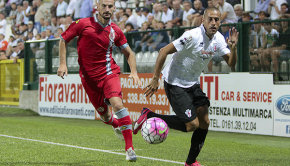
[(183, 41), (222, 47), (121, 41), (72, 31)]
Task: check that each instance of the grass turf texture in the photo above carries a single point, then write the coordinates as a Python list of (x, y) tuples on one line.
[(220, 149)]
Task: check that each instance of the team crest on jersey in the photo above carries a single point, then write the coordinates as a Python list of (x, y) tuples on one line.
[(185, 40), (101, 109), (188, 113), (205, 54), (77, 21)]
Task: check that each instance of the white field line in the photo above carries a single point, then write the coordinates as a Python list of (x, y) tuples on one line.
[(85, 148)]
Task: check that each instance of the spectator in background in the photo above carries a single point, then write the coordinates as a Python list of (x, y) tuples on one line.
[(227, 11), (77, 11), (31, 28), (53, 8), (53, 24), (159, 39), (33, 11), (3, 42), (256, 48), (144, 37), (3, 55), (14, 52), (42, 25), (263, 15), (26, 11), (246, 17), (2, 23), (166, 13), (274, 8), (43, 12), (262, 5), (238, 8), (71, 7), (13, 13), (146, 13), (285, 10), (59, 32), (177, 15), (282, 47), (86, 9), (187, 6), (140, 18), (68, 21), (20, 45), (48, 34), (157, 11), (131, 19), (61, 9), (210, 3), (270, 39), (234, 2), (195, 18), (30, 36), (19, 16)]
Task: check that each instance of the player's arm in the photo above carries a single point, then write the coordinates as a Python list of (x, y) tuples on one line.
[(62, 69), (131, 59), (153, 85), (72, 31), (231, 58)]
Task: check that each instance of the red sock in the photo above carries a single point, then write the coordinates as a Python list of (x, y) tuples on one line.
[(125, 124), (113, 121)]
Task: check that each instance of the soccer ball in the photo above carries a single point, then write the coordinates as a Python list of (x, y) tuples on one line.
[(154, 130)]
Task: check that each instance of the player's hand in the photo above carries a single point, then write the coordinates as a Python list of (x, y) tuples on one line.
[(232, 40), (151, 88), (136, 79), (62, 71)]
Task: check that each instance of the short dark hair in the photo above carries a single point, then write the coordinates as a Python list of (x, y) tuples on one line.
[(285, 4)]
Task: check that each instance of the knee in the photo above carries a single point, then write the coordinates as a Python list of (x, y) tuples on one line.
[(117, 106), (191, 126)]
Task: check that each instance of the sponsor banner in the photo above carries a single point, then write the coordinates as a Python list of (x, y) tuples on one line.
[(63, 98), (67, 97), (282, 110), (240, 102), (134, 98)]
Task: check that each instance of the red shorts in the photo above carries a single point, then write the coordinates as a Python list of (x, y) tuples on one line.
[(103, 89)]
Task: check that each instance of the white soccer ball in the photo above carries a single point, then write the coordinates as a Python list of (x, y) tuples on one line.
[(154, 130)]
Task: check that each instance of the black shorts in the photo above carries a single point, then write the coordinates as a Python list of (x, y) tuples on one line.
[(185, 101)]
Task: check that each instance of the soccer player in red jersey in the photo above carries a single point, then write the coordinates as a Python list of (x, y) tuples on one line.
[(98, 71)]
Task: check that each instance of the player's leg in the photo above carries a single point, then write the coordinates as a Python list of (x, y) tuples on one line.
[(199, 135), (201, 103), (112, 91), (181, 102)]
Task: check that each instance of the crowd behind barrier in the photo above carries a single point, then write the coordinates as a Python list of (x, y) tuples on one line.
[(149, 25)]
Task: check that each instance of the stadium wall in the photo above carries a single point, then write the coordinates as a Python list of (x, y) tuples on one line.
[(240, 102)]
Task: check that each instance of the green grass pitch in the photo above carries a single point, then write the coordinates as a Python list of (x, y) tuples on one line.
[(80, 142)]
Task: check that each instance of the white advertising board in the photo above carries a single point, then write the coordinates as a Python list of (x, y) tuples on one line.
[(63, 98), (282, 110), (240, 102)]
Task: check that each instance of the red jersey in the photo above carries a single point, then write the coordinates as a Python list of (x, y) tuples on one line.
[(95, 42)]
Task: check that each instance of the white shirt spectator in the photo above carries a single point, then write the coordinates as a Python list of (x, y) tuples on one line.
[(274, 15), (231, 16), (186, 13), (61, 9), (133, 20), (140, 20), (25, 18), (167, 16), (3, 26), (77, 9), (194, 51), (71, 7)]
